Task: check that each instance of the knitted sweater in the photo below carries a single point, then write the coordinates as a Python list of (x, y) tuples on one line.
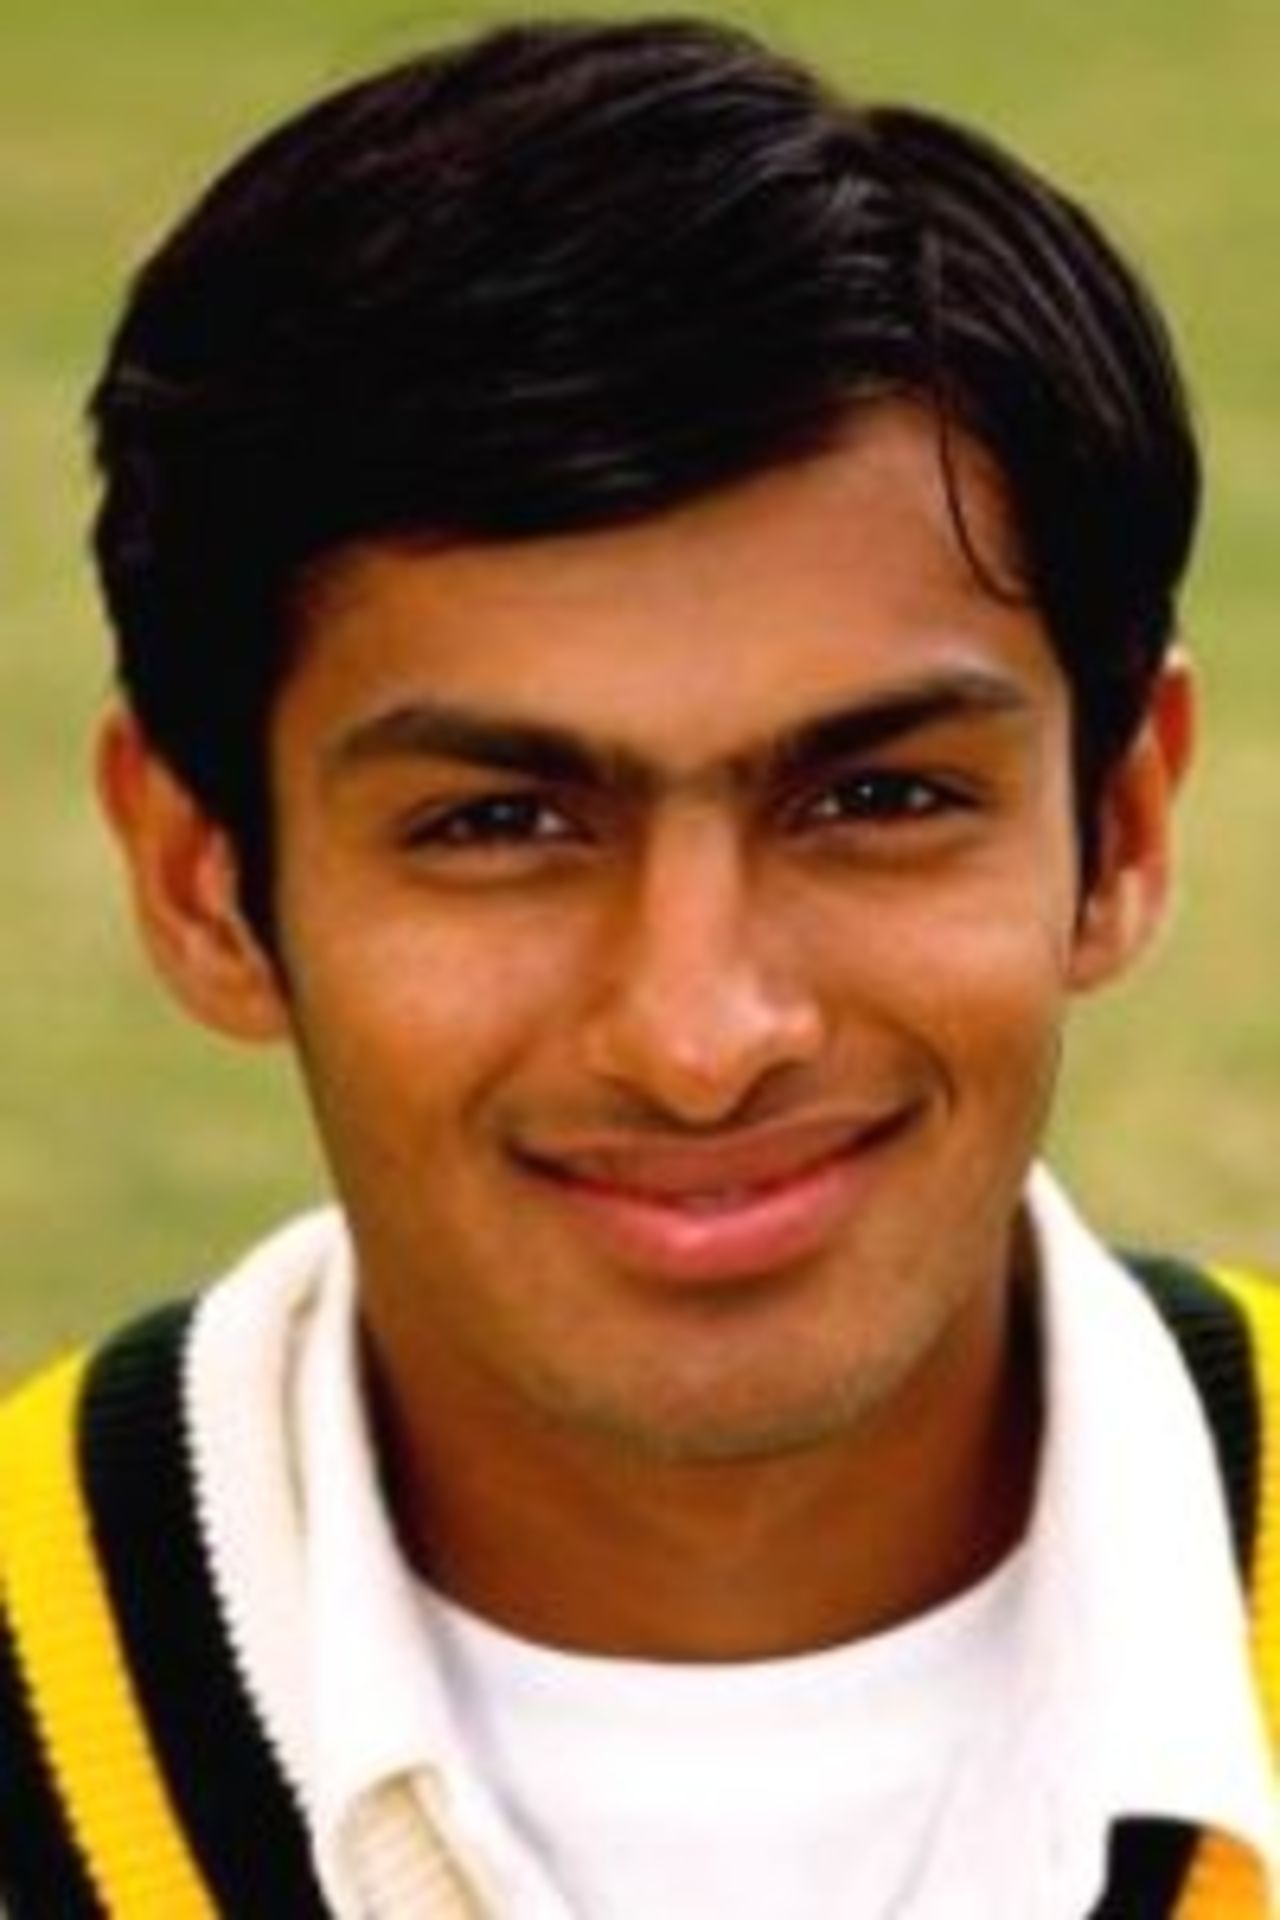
[(137, 1777)]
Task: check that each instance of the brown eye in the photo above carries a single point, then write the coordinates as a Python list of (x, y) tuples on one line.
[(883, 796), (494, 820)]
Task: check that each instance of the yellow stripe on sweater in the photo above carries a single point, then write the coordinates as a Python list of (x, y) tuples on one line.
[(1226, 1881), (89, 1720)]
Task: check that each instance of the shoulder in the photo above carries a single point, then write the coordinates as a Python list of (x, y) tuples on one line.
[(138, 1747), (99, 1443), (61, 1431), (136, 1371), (1225, 1321), (1224, 1318)]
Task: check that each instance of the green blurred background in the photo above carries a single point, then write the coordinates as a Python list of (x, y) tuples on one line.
[(136, 1154)]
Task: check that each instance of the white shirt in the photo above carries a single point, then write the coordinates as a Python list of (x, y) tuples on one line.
[(1125, 1686), (763, 1789)]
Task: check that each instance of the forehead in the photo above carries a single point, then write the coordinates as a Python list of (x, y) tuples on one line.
[(828, 581)]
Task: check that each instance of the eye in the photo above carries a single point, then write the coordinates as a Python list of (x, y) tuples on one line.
[(883, 797), (496, 820)]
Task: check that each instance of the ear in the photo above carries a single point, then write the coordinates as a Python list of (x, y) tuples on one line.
[(183, 876), (1129, 892)]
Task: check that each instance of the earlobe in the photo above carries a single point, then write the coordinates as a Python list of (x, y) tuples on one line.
[(1128, 896), (183, 876)]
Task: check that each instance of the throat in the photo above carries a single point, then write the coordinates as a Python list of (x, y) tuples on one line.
[(575, 1547)]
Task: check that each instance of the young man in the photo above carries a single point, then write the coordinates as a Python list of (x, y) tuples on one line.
[(645, 597)]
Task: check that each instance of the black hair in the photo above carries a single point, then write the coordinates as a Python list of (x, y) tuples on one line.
[(568, 274)]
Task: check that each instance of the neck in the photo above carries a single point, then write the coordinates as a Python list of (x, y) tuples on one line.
[(565, 1540)]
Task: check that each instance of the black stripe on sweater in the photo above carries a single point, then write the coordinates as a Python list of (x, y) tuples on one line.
[(42, 1871), (1149, 1862), (237, 1810)]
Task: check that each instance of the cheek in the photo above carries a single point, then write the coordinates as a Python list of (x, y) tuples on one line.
[(423, 1008), (995, 1016), (977, 976)]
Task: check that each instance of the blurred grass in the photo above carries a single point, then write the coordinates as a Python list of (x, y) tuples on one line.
[(134, 1152)]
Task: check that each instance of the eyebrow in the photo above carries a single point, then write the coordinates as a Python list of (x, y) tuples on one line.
[(502, 742)]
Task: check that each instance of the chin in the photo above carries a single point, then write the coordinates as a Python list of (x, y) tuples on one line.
[(734, 1424)]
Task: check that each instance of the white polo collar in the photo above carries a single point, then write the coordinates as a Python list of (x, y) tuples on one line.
[(1131, 1688), (1132, 1559)]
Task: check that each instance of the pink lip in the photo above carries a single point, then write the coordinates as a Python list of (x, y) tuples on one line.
[(720, 1210)]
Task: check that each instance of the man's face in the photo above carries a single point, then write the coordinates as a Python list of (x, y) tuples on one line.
[(678, 924)]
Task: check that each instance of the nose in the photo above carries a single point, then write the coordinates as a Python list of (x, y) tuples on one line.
[(702, 1003)]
